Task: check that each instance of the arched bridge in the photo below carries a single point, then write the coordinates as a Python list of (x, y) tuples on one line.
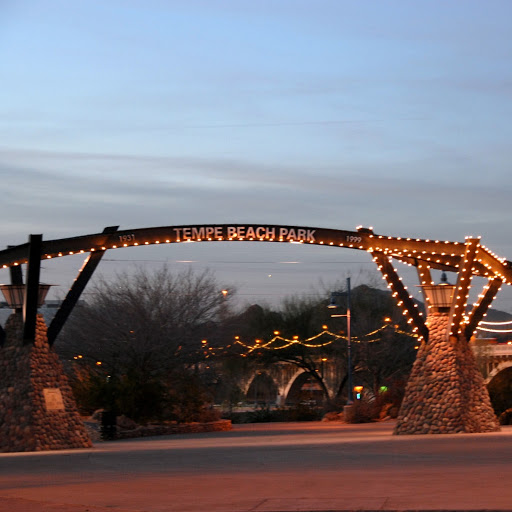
[(468, 259)]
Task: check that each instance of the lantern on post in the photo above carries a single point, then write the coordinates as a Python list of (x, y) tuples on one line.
[(15, 294), (439, 297)]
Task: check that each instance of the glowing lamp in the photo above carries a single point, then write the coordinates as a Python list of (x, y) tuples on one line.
[(332, 304), (439, 296), (358, 390), (15, 294)]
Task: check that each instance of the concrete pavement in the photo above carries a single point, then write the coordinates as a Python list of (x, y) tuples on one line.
[(267, 468)]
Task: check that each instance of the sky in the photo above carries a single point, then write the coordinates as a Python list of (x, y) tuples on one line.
[(324, 113)]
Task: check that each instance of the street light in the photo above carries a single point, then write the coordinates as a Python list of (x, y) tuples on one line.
[(439, 296), (332, 305), (323, 360), (15, 294)]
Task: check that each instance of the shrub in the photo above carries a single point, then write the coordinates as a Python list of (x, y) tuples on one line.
[(180, 397), (365, 411), (187, 400), (267, 415), (505, 418)]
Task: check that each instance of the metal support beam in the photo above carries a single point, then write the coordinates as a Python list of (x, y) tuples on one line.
[(399, 291), (76, 290), (461, 292), (32, 288), (482, 305)]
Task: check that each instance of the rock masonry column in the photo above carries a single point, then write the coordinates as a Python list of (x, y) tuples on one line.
[(37, 408), (446, 392)]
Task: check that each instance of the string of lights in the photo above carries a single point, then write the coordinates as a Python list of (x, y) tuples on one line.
[(503, 331), (279, 343), (496, 323), (482, 327)]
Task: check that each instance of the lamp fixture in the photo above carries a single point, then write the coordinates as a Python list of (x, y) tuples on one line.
[(439, 297), (15, 294)]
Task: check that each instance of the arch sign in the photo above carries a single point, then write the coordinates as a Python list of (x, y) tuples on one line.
[(468, 258)]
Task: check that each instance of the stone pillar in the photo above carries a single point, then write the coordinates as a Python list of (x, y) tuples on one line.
[(37, 408), (446, 393)]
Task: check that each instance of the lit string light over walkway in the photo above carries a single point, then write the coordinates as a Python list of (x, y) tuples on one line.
[(316, 341), (482, 326)]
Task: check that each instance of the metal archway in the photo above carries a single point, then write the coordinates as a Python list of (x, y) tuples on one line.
[(467, 258)]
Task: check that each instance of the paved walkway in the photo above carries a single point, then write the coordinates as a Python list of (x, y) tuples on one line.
[(267, 468)]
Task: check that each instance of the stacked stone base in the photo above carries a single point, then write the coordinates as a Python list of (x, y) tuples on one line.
[(37, 408), (446, 393)]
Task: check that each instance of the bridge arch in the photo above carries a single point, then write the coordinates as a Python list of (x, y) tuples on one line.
[(261, 387), (498, 369), (292, 381)]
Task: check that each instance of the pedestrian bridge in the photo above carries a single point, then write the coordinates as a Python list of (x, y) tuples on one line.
[(285, 383), (493, 359)]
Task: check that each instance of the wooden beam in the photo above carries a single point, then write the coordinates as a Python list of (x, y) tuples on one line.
[(461, 292), (76, 290), (425, 278), (494, 266), (16, 275), (16, 278), (32, 289), (449, 264), (481, 306), (405, 301), (361, 240)]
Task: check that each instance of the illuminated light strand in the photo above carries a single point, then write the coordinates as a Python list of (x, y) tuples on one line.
[(462, 290), (496, 323), (290, 342), (392, 285), (494, 330)]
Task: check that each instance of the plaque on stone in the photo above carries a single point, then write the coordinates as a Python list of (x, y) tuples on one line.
[(53, 399)]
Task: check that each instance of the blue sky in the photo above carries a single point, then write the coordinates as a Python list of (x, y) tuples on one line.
[(329, 113)]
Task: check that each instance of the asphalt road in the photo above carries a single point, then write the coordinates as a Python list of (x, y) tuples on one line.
[(267, 468)]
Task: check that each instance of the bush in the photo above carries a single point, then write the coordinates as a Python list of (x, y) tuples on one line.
[(187, 400), (500, 391), (89, 391), (365, 411), (137, 397), (132, 395), (389, 411), (267, 415), (505, 418), (181, 397)]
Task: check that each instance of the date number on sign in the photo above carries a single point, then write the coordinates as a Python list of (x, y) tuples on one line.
[(354, 239), (126, 238)]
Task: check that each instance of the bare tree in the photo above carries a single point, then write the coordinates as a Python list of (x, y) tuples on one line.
[(146, 322)]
